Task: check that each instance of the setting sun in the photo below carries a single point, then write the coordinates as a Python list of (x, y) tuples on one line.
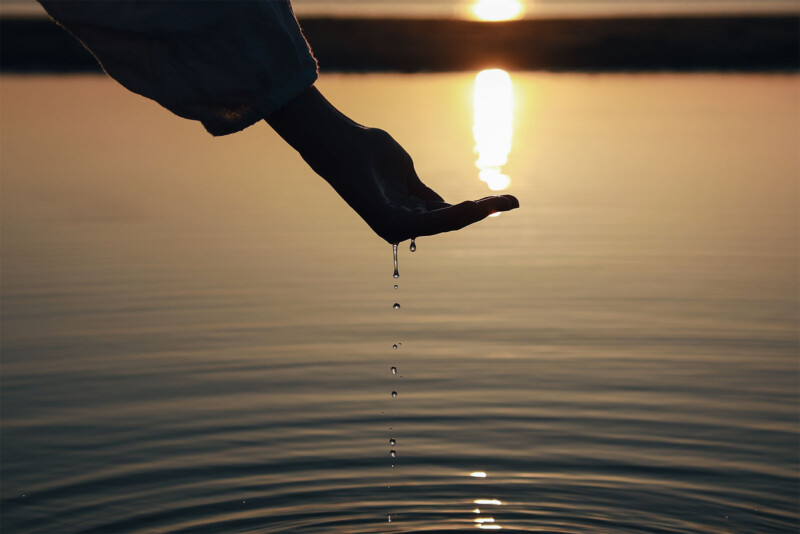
[(496, 10)]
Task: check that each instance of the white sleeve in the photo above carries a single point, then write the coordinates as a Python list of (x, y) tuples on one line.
[(225, 64)]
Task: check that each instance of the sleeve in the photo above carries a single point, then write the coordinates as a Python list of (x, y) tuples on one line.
[(225, 64)]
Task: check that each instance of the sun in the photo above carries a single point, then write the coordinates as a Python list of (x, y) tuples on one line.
[(495, 10)]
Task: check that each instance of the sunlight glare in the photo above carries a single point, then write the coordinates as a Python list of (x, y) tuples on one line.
[(488, 501), (492, 125), (496, 10)]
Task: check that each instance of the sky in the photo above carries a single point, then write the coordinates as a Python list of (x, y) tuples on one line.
[(522, 8)]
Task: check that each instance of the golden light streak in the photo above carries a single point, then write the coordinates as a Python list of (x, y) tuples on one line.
[(493, 113), (488, 501)]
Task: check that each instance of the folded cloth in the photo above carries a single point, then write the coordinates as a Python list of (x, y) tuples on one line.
[(225, 64)]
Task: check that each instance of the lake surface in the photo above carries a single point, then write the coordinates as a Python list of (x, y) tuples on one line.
[(197, 333)]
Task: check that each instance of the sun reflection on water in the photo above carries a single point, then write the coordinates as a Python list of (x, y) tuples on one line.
[(492, 126), (484, 521)]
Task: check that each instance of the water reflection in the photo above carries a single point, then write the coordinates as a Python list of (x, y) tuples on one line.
[(483, 521), (492, 126)]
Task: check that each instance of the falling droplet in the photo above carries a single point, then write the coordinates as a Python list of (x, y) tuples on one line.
[(394, 252), (392, 442), (413, 246), (393, 453), (394, 394), (395, 286), (396, 306), (394, 346), (394, 370)]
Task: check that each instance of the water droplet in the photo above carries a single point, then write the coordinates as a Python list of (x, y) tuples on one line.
[(395, 286), (394, 394), (393, 453), (413, 246), (396, 306), (394, 346), (394, 370), (389, 516), (394, 253), (392, 442)]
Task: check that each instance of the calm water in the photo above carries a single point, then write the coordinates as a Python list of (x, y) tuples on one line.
[(197, 333)]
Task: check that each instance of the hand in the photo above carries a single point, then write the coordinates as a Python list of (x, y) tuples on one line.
[(373, 173)]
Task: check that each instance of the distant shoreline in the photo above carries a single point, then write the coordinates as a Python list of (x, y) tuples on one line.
[(681, 43)]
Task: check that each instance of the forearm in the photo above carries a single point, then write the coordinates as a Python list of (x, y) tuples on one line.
[(313, 126)]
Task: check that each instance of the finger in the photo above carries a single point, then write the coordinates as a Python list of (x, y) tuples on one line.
[(427, 194), (416, 186), (513, 202), (461, 215), (436, 205)]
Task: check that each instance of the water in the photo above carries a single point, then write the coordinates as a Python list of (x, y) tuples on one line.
[(188, 348)]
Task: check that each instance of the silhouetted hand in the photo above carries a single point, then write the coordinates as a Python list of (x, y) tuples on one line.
[(373, 173)]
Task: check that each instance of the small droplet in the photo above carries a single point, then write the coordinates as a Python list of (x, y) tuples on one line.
[(413, 246), (389, 516), (392, 442), (394, 346), (394, 394), (393, 453), (394, 253), (394, 370), (395, 286), (396, 306), (244, 502)]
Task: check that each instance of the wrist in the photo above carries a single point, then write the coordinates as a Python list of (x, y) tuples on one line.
[(313, 126)]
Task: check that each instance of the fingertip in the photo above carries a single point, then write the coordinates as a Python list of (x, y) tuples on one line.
[(498, 203), (512, 200)]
